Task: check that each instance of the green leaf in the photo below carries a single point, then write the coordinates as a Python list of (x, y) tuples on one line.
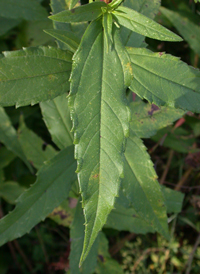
[(127, 219), (97, 101), (148, 8), (67, 37), (165, 80), (10, 191), (8, 136), (32, 75), (141, 187), (179, 139), (22, 9), (6, 157), (189, 30), (77, 28), (77, 237), (141, 24), (106, 265), (173, 199), (107, 26), (33, 146), (57, 119), (7, 24), (73, 4), (147, 119), (83, 13), (51, 188)]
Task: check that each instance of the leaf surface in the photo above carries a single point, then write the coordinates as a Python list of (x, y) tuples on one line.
[(10, 191), (141, 24), (189, 30), (77, 239), (51, 188), (173, 199), (148, 8), (147, 119), (57, 119), (165, 80), (32, 75), (140, 185), (22, 9), (6, 24), (67, 37), (106, 264), (32, 146), (97, 101), (82, 13), (6, 157), (8, 136)]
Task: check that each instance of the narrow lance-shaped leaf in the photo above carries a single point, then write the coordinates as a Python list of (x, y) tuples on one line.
[(77, 238), (83, 13), (57, 119), (8, 136), (141, 187), (32, 145), (32, 75), (51, 188), (189, 30), (97, 101), (141, 24), (67, 37), (163, 79)]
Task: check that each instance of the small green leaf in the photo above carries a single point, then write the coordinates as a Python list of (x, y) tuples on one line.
[(83, 13), (147, 119), (33, 146), (173, 199), (51, 188), (106, 265), (22, 9), (67, 37), (141, 187), (163, 79), (10, 191), (189, 30), (107, 26), (57, 119), (77, 238), (97, 100), (141, 24), (8, 136), (73, 4), (32, 75)]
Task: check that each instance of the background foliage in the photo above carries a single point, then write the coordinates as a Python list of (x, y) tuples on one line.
[(174, 150)]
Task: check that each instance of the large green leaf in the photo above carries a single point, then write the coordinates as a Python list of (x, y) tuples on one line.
[(22, 9), (148, 8), (141, 24), (57, 119), (147, 119), (77, 238), (97, 101), (83, 13), (32, 75), (165, 80), (51, 188), (8, 136), (189, 30), (106, 265), (33, 146), (141, 187)]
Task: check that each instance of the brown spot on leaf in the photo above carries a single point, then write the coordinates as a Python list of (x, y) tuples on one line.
[(153, 108), (95, 176), (101, 257)]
